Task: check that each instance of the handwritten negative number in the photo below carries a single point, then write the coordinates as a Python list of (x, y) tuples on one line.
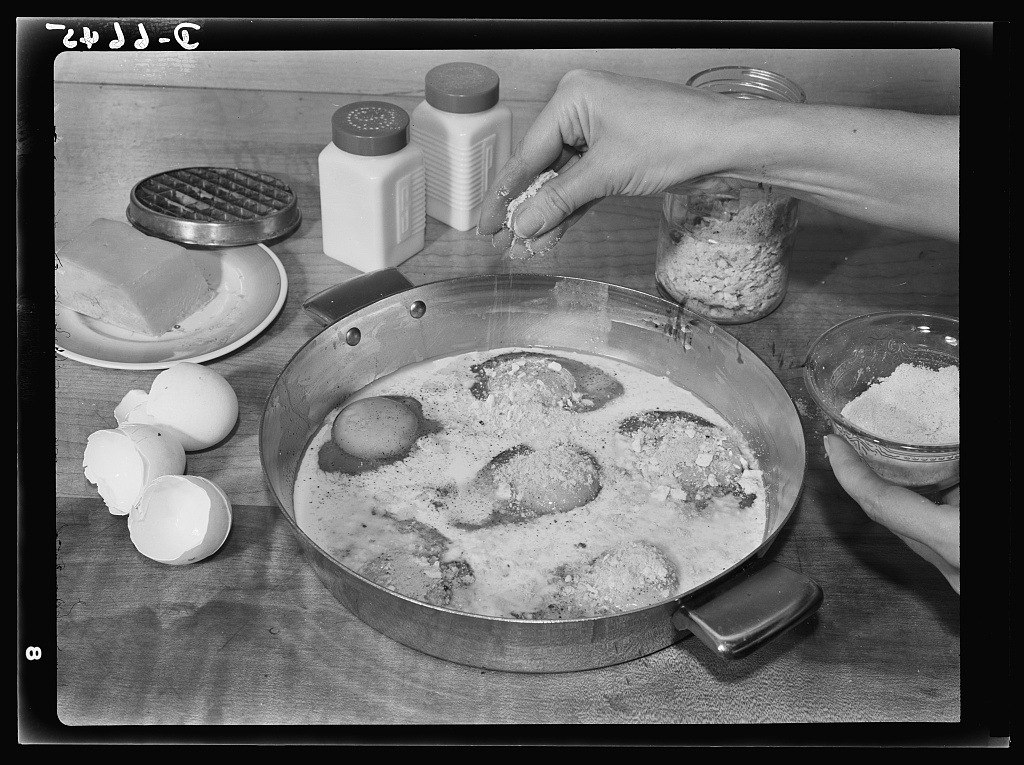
[(90, 38)]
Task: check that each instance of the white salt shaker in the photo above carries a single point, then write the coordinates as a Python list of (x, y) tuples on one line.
[(372, 187), (466, 136)]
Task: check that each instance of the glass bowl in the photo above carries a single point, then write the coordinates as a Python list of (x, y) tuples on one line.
[(856, 353)]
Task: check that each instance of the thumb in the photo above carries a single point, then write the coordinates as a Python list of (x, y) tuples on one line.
[(947, 569), (856, 476), (562, 199)]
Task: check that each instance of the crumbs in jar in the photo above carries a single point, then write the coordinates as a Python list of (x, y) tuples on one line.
[(728, 258)]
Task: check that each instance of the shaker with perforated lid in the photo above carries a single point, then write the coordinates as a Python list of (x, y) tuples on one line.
[(465, 134), (372, 194)]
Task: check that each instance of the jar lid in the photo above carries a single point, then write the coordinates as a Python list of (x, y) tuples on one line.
[(214, 207), (370, 128), (462, 87), (748, 82)]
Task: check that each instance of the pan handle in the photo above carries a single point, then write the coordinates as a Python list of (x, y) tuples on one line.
[(348, 297), (750, 609)]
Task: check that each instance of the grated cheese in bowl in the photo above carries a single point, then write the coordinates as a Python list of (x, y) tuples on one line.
[(913, 405), (889, 383)]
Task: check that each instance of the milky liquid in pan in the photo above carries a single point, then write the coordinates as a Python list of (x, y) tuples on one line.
[(353, 517)]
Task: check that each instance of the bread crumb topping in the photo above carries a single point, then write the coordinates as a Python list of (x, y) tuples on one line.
[(728, 259), (913, 405), (530, 191), (556, 486)]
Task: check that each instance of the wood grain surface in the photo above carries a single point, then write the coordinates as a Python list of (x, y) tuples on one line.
[(913, 79), (250, 636)]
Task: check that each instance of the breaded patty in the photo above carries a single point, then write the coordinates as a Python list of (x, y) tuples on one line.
[(416, 567), (686, 452), (521, 484), (427, 579), (527, 380), (528, 483), (546, 380), (631, 575), (552, 480)]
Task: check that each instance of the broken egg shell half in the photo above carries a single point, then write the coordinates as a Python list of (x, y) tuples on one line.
[(121, 461), (132, 409), (192, 402), (180, 519)]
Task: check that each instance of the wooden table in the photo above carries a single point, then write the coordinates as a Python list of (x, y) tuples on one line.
[(250, 636)]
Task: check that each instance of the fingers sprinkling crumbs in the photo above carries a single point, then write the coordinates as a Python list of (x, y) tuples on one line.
[(520, 248)]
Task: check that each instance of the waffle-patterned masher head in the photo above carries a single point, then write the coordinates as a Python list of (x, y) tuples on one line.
[(214, 207)]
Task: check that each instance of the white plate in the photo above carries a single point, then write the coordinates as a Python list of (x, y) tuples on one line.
[(250, 285)]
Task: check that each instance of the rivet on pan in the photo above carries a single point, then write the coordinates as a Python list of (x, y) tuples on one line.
[(353, 336), (417, 309)]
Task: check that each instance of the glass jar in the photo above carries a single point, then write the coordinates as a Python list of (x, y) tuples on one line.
[(723, 250)]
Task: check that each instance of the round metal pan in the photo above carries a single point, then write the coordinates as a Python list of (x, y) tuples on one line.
[(379, 323)]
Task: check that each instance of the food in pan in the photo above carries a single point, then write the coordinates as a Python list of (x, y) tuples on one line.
[(526, 377), (122, 277), (538, 485), (376, 428), (528, 482), (686, 453), (630, 575), (419, 568)]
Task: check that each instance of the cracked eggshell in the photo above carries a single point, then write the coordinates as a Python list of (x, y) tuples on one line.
[(180, 519), (132, 409), (121, 461), (193, 402)]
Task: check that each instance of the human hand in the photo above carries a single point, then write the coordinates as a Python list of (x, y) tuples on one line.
[(518, 176), (931, 530), (605, 134)]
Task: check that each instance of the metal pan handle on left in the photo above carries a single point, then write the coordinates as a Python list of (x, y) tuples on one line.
[(343, 299)]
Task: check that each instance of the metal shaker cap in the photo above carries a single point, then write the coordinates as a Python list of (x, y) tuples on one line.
[(462, 87), (370, 128)]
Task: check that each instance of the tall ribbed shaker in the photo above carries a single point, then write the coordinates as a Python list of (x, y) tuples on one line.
[(466, 135)]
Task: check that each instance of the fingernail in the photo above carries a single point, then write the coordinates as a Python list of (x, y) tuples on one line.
[(528, 223), (541, 246), (825, 441), (502, 239)]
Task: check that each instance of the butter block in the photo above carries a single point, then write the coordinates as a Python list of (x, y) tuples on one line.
[(118, 275)]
